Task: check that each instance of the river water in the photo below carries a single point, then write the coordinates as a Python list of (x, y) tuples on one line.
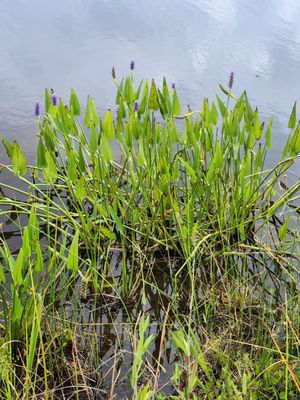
[(194, 43)]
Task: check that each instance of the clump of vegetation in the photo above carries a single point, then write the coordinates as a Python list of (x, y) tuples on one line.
[(158, 255)]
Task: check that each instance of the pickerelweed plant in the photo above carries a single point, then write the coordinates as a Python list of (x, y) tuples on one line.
[(130, 176), (142, 181)]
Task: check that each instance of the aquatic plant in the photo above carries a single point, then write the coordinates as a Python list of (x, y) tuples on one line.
[(112, 197)]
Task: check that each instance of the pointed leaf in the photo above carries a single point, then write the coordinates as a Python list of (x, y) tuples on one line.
[(8, 147), (26, 243), (33, 226), (153, 97), (107, 152), (50, 170), (294, 146), (162, 104), (268, 133), (80, 190), (74, 103), (108, 125), (166, 94), (128, 91), (18, 160), (257, 131), (116, 219), (2, 274), (48, 101), (39, 262), (91, 117), (175, 103), (282, 231), (16, 268), (40, 154), (72, 261), (72, 169), (144, 98), (222, 107), (292, 120)]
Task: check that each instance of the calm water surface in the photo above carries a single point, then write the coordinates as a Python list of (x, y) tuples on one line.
[(195, 43)]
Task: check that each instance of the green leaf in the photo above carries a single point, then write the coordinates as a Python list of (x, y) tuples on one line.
[(8, 147), (18, 308), (50, 170), (134, 126), (141, 154), (257, 131), (72, 168), (137, 93), (147, 343), (33, 226), (16, 268), (108, 125), (222, 106), (121, 112), (144, 98), (72, 261), (64, 118), (50, 135), (119, 96), (40, 154), (144, 393), (162, 104), (292, 120), (282, 231), (107, 152), (268, 133), (128, 92), (26, 243), (2, 274), (74, 103), (188, 168), (39, 262), (106, 232), (153, 97), (175, 103), (248, 110), (213, 114), (35, 330), (218, 155), (117, 220), (166, 95), (180, 341), (80, 190), (18, 160), (81, 160), (91, 117), (251, 139), (93, 141), (48, 101), (294, 146)]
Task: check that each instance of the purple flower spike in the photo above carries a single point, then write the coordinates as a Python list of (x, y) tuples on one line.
[(54, 99), (231, 79), (173, 85), (113, 72), (132, 65), (136, 106), (37, 109)]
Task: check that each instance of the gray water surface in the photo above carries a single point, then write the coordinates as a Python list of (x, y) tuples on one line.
[(195, 43)]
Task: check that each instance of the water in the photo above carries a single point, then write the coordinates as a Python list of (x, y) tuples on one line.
[(195, 43)]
